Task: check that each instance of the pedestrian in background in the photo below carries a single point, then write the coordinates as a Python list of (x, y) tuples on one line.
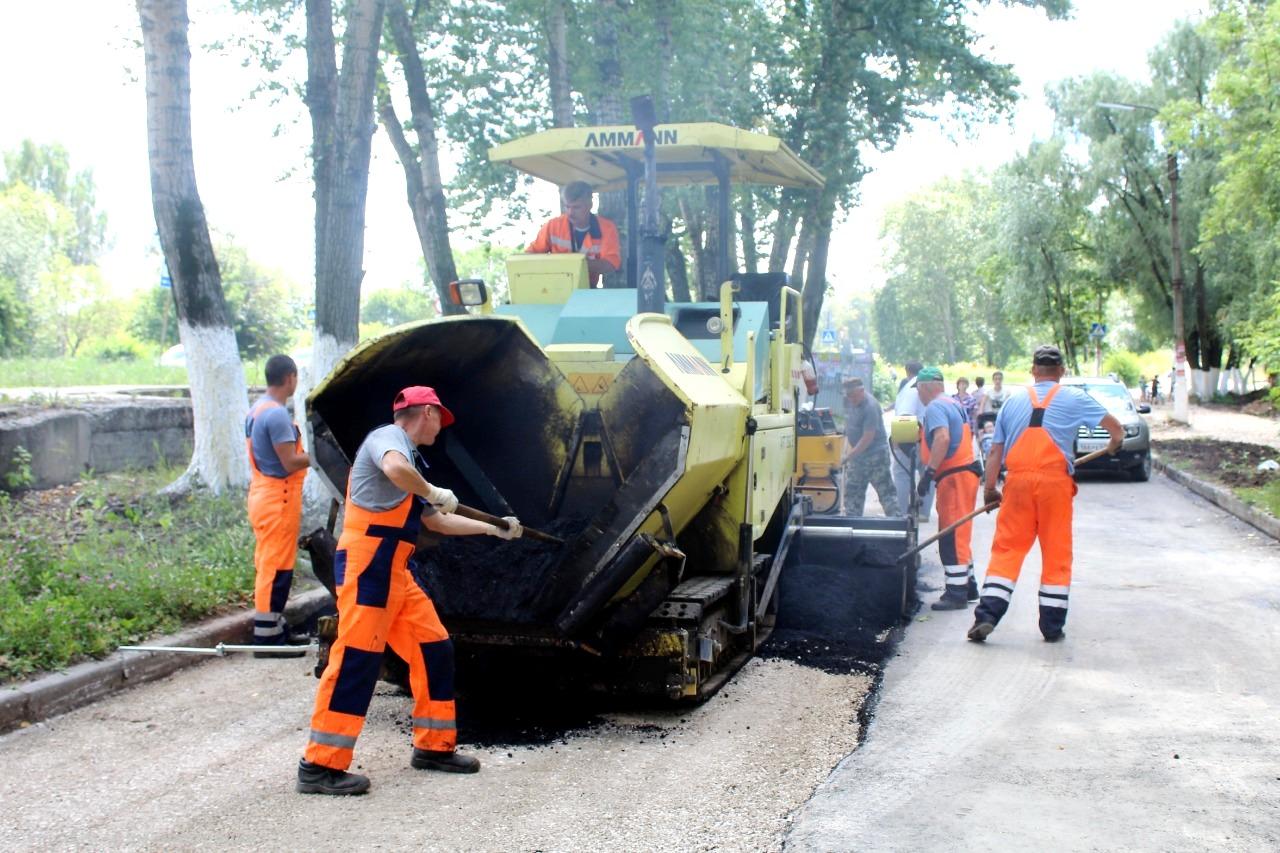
[(866, 452), (1035, 440), (966, 400), (277, 467), (979, 394)]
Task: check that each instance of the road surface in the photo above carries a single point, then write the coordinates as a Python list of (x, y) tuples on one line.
[(1154, 726)]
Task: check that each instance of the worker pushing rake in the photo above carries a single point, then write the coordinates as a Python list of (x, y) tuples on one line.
[(1034, 439)]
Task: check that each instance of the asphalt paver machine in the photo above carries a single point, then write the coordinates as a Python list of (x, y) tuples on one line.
[(661, 445)]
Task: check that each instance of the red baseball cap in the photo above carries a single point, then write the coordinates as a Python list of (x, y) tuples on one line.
[(421, 395)]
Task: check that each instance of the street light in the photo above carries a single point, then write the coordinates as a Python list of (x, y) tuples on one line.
[(1180, 413)]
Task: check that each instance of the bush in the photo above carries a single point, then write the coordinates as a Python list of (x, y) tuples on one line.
[(1124, 365), (119, 347)]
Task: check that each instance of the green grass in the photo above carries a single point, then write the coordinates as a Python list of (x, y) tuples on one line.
[(64, 372), (86, 568), (1266, 498)]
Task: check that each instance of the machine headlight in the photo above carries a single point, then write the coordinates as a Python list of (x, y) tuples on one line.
[(715, 325), (1132, 430)]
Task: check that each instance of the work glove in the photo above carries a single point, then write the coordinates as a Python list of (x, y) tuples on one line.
[(926, 480), (513, 531), (442, 499), (991, 496)]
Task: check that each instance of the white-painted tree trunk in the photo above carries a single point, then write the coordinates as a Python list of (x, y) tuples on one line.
[(1237, 381), (326, 351), (219, 403), (1199, 382)]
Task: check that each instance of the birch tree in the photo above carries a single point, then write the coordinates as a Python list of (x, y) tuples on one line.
[(219, 396)]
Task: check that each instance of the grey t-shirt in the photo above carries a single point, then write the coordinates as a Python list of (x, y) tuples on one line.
[(270, 427), (369, 487), (862, 418)]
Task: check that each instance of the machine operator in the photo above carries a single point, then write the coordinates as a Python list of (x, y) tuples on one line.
[(580, 230), (1035, 439), (380, 603)]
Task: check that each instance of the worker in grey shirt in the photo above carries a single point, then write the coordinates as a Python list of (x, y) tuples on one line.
[(866, 452), (380, 603)]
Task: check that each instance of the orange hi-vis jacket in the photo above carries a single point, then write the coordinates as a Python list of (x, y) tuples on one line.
[(956, 481), (380, 604), (275, 513), (1037, 504), (599, 242)]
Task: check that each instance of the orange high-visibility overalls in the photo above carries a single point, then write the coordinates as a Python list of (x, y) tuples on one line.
[(275, 513), (380, 604), (600, 242), (1037, 503), (957, 488)]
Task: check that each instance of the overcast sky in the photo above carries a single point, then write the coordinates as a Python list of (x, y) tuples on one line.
[(86, 93)]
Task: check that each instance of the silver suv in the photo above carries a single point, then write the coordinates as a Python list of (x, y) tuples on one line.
[(1134, 456)]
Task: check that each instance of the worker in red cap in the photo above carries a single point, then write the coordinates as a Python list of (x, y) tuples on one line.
[(380, 603), (947, 453), (1035, 439)]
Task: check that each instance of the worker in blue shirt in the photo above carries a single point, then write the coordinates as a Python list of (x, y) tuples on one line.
[(1035, 439)]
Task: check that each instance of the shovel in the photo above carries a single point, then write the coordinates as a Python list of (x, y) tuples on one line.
[(500, 523), (1089, 457)]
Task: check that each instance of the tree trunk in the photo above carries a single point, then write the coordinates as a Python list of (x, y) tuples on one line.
[(784, 230), (815, 286), (747, 215), (557, 24), (422, 169), (677, 270), (345, 152), (663, 12), (219, 396), (607, 109)]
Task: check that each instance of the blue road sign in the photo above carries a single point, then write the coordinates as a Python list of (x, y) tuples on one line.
[(829, 336), (1098, 330), (166, 281)]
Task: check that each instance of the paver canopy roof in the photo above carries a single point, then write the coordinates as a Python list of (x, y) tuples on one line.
[(686, 154)]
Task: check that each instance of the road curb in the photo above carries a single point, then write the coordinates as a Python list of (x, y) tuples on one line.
[(1221, 497), (83, 683)]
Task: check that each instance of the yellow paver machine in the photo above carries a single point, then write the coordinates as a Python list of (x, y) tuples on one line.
[(659, 444)]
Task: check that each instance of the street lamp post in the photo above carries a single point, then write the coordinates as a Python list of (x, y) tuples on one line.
[(1180, 374)]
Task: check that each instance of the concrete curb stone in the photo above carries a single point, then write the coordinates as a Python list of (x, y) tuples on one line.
[(87, 682), (1221, 497)]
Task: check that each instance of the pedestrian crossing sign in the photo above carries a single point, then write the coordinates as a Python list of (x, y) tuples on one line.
[(1098, 330), (829, 337)]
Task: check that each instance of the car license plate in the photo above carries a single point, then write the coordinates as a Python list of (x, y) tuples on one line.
[(1089, 445)]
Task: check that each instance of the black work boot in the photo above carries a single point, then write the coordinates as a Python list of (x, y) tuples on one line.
[(1054, 636), (980, 631), (318, 779), (952, 599), (448, 761), (971, 591)]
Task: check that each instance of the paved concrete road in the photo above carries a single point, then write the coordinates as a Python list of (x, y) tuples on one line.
[(1154, 726)]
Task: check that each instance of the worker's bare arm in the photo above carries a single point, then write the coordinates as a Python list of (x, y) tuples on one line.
[(291, 459), (454, 525), (400, 471), (863, 441), (599, 266), (995, 457), (938, 446), (1114, 429)]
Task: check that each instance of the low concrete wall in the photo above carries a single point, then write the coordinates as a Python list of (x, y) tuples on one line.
[(64, 443)]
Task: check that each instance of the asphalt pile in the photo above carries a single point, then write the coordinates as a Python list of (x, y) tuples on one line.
[(494, 580)]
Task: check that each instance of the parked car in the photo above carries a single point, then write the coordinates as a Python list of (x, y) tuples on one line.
[(1134, 456)]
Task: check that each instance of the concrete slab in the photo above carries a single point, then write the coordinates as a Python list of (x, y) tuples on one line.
[(1153, 726)]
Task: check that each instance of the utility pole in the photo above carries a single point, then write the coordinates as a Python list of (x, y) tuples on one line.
[(1180, 405)]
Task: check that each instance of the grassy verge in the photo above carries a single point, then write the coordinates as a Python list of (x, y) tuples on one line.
[(1233, 464), (64, 372), (88, 567)]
